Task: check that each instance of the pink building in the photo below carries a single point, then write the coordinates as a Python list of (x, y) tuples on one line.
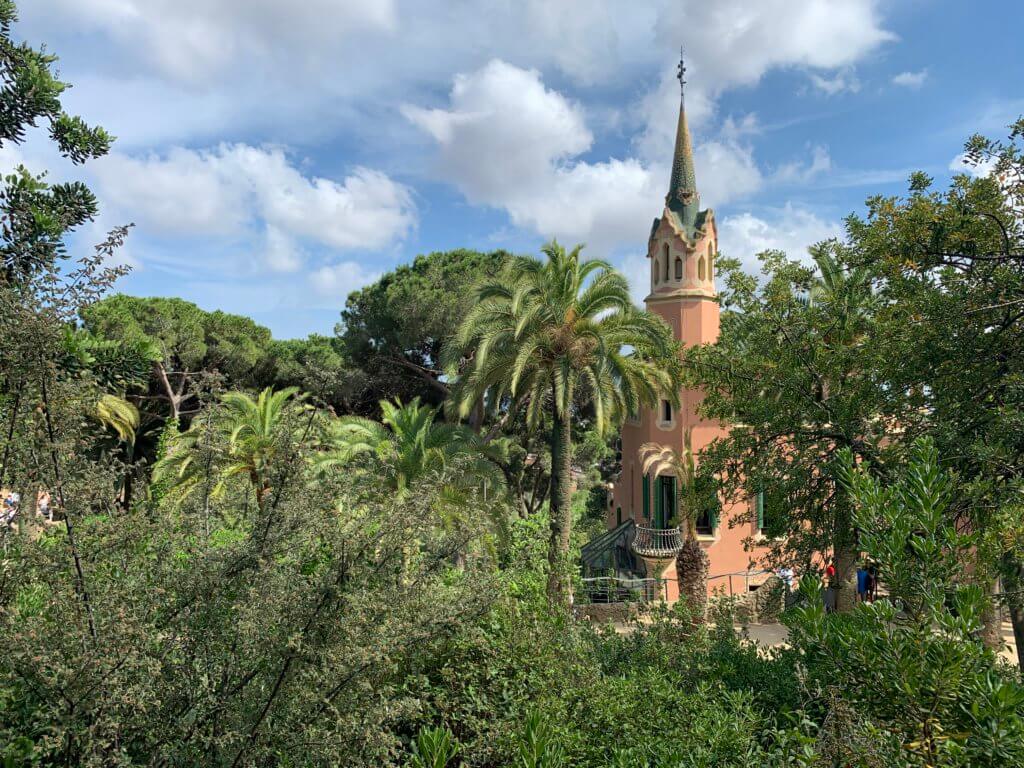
[(681, 249)]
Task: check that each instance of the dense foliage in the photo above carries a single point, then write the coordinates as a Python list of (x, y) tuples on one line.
[(311, 564)]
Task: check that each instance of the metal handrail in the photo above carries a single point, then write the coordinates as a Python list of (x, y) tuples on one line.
[(612, 589), (657, 542)]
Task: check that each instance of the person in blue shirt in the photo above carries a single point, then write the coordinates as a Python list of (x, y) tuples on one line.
[(862, 582)]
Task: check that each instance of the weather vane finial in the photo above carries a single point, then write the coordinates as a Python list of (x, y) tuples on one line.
[(681, 74)]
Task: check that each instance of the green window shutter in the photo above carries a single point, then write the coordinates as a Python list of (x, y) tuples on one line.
[(659, 511), (759, 506), (646, 485), (713, 516), (672, 511)]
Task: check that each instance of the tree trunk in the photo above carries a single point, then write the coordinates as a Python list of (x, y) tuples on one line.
[(559, 584), (173, 398), (692, 565), (1013, 583), (991, 618), (845, 578)]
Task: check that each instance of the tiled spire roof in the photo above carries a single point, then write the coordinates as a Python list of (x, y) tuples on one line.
[(683, 198)]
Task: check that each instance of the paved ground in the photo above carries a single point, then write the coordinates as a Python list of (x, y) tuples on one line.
[(773, 635)]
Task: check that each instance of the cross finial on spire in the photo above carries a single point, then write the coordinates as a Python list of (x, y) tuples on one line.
[(681, 72)]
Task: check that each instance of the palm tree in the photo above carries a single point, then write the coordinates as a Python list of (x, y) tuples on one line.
[(692, 561), (121, 416), (557, 333), (240, 439), (407, 445)]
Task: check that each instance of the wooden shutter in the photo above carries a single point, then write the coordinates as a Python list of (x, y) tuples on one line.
[(659, 507), (646, 485), (673, 510), (759, 506)]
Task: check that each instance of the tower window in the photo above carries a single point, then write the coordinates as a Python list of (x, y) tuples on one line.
[(679, 268), (666, 411), (711, 262), (701, 272), (666, 262)]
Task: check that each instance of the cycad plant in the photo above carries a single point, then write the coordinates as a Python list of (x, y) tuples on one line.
[(692, 561), (555, 335), (406, 446), (241, 438)]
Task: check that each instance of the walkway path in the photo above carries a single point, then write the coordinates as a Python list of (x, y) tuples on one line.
[(774, 635)]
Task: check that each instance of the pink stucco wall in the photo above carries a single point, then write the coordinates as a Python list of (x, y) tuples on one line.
[(688, 305)]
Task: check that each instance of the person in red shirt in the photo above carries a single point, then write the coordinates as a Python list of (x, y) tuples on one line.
[(830, 588)]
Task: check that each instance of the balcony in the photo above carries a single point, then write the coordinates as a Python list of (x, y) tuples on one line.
[(657, 543)]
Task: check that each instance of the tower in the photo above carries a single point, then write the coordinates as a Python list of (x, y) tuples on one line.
[(643, 510), (682, 247)]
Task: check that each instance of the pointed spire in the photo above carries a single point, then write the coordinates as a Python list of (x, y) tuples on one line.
[(682, 197)]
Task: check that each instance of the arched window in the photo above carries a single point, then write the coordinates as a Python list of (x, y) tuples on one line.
[(711, 262), (666, 262), (679, 268), (700, 269)]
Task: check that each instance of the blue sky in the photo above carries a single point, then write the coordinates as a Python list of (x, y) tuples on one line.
[(275, 156)]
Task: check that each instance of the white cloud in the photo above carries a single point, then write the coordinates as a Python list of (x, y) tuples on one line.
[(282, 254), (233, 187), (503, 132), (790, 228), (800, 172), (726, 171), (339, 280), (735, 42), (507, 141), (181, 69), (844, 80), (979, 170), (910, 79), (193, 40)]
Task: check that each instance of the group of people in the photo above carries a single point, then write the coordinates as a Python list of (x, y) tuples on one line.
[(867, 584), (10, 506)]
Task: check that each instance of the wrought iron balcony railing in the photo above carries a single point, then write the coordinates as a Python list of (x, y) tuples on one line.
[(657, 542)]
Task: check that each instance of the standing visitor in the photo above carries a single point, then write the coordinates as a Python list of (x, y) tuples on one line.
[(830, 589), (11, 500), (862, 583)]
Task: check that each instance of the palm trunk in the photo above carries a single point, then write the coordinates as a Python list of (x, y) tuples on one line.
[(559, 584), (692, 565)]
